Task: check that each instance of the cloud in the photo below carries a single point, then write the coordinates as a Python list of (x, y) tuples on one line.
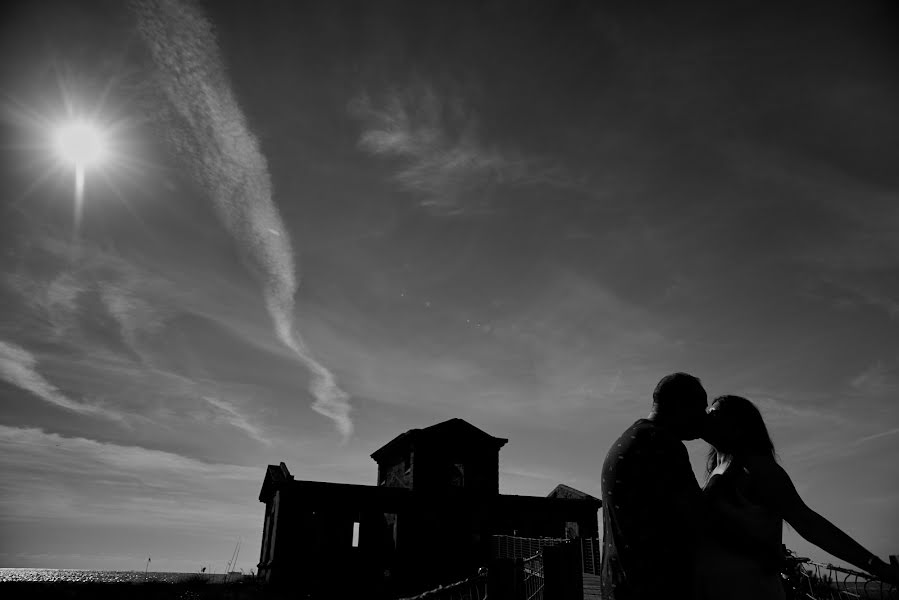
[(235, 418), (87, 456), (71, 306), (134, 315), (780, 412), (812, 430), (538, 362), (868, 296), (436, 139), (878, 381), (49, 476), (62, 292), (55, 301), (210, 131), (164, 381), (859, 290), (137, 299), (19, 367), (875, 436)]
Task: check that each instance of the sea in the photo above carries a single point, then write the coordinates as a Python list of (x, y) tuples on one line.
[(87, 576)]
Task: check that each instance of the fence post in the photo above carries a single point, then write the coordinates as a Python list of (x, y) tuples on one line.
[(563, 570), (505, 577)]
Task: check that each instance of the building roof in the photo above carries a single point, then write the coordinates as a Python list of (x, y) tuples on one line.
[(322, 494), (568, 492), (453, 431), (275, 475)]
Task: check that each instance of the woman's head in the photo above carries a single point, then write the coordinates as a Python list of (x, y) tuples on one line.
[(734, 427)]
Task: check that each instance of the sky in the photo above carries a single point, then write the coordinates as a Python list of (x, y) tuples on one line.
[(322, 224)]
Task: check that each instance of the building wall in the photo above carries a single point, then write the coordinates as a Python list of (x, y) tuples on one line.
[(441, 467), (428, 521), (397, 471), (527, 516), (395, 475)]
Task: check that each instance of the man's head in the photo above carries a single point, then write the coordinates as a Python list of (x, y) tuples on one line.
[(679, 402)]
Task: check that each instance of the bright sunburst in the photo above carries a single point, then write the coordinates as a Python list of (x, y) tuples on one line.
[(90, 141), (81, 143), (82, 128)]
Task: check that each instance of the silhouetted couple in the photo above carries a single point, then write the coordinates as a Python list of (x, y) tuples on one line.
[(664, 537)]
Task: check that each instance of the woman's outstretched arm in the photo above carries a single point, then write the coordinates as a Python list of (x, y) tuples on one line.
[(781, 493)]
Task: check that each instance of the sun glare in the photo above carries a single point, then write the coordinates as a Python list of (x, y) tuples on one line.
[(81, 143)]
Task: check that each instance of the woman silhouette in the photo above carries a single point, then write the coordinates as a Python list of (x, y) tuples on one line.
[(747, 497)]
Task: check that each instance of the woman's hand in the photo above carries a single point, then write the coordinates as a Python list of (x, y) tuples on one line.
[(884, 570), (723, 464)]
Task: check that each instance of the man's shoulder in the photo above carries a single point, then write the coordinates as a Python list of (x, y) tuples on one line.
[(644, 438), (640, 428), (645, 432), (636, 434)]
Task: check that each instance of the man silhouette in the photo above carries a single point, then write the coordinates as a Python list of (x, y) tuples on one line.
[(650, 497)]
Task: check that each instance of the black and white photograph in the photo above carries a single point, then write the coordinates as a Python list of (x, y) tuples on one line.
[(449, 299)]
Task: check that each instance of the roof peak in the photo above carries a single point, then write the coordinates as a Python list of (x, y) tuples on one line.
[(451, 427)]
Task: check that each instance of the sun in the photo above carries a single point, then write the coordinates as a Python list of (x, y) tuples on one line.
[(81, 143), (89, 139)]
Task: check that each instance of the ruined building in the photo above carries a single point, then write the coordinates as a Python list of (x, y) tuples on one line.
[(429, 520)]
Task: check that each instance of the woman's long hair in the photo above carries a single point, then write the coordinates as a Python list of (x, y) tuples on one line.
[(753, 439)]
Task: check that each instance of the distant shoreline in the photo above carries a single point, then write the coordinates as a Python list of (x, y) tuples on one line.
[(40, 584), (84, 576)]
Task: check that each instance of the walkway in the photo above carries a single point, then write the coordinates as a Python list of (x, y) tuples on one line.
[(591, 587)]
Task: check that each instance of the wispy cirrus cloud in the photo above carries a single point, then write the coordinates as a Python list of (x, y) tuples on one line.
[(135, 315), (75, 305), (814, 430), (779, 411), (133, 295), (62, 293), (211, 133), (109, 323), (443, 157), (18, 366), (532, 361), (874, 297), (859, 290), (233, 416), (75, 477), (53, 301), (879, 380)]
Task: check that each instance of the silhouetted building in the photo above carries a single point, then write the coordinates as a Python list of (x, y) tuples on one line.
[(429, 520)]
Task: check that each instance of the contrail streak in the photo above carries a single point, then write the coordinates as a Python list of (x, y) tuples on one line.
[(875, 436), (213, 135)]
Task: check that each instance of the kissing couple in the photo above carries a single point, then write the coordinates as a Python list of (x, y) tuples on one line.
[(665, 537)]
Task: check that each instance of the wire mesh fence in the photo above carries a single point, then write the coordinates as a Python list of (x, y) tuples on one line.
[(590, 554), (534, 581), (510, 546)]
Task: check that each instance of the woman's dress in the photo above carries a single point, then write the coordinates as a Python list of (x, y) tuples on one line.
[(738, 551)]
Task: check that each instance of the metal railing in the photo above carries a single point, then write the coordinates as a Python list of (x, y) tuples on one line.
[(534, 581), (805, 579), (590, 553), (473, 588), (510, 546)]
